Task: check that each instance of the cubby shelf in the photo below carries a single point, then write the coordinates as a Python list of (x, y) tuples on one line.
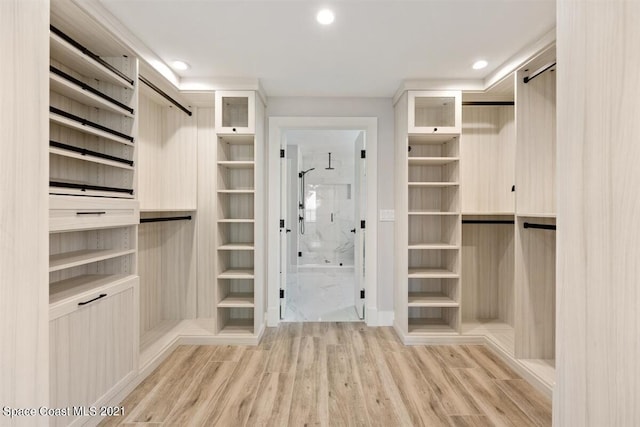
[(63, 51), (431, 299), (432, 273), (237, 327), (431, 161), (433, 246), (64, 87), (433, 184), (236, 273), (237, 247), (432, 213), (237, 300), (237, 164), (237, 220), (237, 191), (86, 256), (430, 326)]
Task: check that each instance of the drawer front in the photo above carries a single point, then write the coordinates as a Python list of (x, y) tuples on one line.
[(92, 350), (77, 213)]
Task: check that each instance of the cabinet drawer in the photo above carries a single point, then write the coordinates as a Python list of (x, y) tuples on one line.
[(93, 352), (75, 213)]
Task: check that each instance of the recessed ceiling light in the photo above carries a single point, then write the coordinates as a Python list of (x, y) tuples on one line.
[(179, 65), (479, 65), (325, 17)]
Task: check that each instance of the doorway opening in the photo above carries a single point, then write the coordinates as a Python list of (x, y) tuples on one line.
[(324, 197)]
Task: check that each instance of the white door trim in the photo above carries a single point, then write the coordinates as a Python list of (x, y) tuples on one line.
[(277, 127)]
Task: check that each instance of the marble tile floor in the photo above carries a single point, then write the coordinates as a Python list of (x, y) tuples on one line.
[(321, 294)]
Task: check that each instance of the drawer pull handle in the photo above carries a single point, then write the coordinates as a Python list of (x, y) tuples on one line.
[(91, 213), (92, 300)]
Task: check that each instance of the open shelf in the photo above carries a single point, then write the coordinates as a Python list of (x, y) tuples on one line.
[(432, 138), (69, 89), (238, 220), (237, 300), (432, 161), (76, 258), (433, 246), (76, 125), (237, 247), (237, 191), (430, 326), (433, 213), (237, 164), (433, 184), (237, 327), (86, 283), (431, 299), (432, 273), (89, 158), (237, 273), (63, 51)]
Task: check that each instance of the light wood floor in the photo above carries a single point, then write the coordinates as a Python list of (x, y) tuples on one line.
[(334, 374)]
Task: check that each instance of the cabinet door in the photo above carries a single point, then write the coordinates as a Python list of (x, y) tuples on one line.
[(435, 112), (235, 112), (93, 352)]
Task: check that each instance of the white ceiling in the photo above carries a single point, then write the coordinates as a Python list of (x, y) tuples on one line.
[(372, 46)]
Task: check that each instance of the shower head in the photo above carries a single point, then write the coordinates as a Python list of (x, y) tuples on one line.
[(307, 171)]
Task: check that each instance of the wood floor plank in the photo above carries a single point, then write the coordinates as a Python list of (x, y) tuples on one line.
[(494, 403), (470, 421), (530, 400), (422, 403), (455, 398), (239, 393), (205, 390), (309, 405), (273, 400), (158, 403), (346, 401), (489, 362), (381, 408), (333, 374)]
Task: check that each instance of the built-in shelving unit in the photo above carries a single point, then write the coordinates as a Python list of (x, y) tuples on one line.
[(236, 218), (427, 159)]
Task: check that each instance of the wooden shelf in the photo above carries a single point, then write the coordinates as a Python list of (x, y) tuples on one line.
[(431, 273), (236, 273), (88, 158), (430, 326), (237, 247), (64, 52), (431, 299), (433, 213), (76, 286), (434, 246), (72, 124), (535, 215), (431, 161), (432, 139), (237, 220), (237, 191), (237, 164), (433, 184), (76, 258), (63, 191), (244, 300), (237, 327), (71, 90)]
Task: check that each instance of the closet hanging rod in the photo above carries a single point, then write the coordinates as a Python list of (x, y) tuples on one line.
[(85, 187), (165, 219), (540, 226), (85, 152), (486, 103), (89, 123), (91, 55), (488, 221), (88, 88), (164, 95), (541, 70)]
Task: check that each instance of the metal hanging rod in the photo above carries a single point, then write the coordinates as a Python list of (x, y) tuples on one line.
[(90, 54), (540, 226), (88, 88), (85, 187), (165, 219), (165, 95), (488, 221), (486, 103), (85, 152), (541, 70), (89, 123)]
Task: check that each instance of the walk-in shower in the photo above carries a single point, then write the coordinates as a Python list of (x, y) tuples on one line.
[(301, 198)]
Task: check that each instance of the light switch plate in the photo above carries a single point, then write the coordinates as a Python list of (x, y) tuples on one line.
[(387, 215)]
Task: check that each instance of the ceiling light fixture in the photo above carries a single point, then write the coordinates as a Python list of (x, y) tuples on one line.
[(479, 65), (325, 17), (179, 65)]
